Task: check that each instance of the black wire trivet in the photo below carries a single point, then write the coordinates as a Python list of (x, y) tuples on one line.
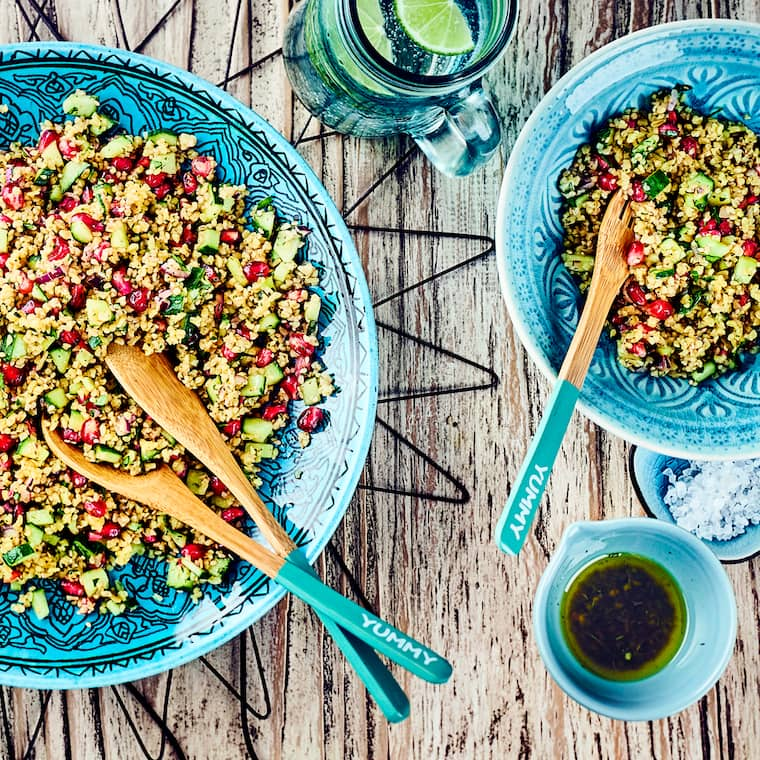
[(251, 678)]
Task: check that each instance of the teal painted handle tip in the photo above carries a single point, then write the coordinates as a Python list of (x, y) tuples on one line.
[(514, 524)]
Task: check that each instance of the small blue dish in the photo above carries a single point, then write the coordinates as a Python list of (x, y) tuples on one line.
[(719, 60), (651, 483), (710, 607)]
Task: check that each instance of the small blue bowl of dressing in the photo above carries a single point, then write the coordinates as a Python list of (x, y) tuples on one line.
[(710, 626)]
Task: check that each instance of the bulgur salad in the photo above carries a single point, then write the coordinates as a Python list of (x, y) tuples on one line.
[(108, 236), (691, 305)]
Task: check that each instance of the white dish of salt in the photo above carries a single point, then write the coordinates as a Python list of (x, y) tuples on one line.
[(717, 501)]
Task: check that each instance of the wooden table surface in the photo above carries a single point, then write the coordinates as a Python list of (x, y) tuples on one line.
[(459, 399)]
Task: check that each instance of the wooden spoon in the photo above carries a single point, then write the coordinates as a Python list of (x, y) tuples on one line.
[(610, 272)]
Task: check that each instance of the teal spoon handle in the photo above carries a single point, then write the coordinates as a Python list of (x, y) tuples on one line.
[(522, 504), (378, 680), (382, 636)]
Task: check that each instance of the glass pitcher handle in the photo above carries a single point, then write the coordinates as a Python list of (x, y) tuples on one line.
[(465, 136)]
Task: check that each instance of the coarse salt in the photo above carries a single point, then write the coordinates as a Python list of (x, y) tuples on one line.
[(715, 500)]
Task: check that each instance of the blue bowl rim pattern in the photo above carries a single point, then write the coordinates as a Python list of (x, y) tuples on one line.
[(340, 240)]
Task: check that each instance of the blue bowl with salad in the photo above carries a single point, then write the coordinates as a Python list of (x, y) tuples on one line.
[(713, 68)]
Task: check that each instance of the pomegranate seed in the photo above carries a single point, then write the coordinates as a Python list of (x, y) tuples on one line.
[(708, 226), (93, 535), (116, 210), (690, 146), (5, 219), (232, 427), (302, 364), (201, 166), (68, 203), (264, 357), (193, 551), (217, 486), (144, 162), (6, 442), (163, 190), (154, 180), (72, 588), (749, 248), (13, 376), (218, 306), (607, 181), (71, 436), (273, 410), (299, 294), (672, 116), (122, 163), (149, 539), (724, 227), (668, 130), (256, 269), (636, 293), (232, 513), (660, 309), (228, 353), (92, 224), (189, 183), (60, 249), (25, 285), (29, 307), (299, 344), (3, 260), (748, 201), (290, 386), (639, 349), (310, 419), (90, 431), (120, 282), (211, 274), (188, 236), (243, 332), (87, 194), (96, 508), (138, 299), (743, 299), (78, 296), (101, 252), (68, 148), (110, 530), (638, 193), (231, 237), (601, 163), (12, 196), (632, 123), (47, 138), (70, 337), (18, 510), (77, 480)]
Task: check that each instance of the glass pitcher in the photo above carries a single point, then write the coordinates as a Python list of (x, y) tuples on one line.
[(354, 66)]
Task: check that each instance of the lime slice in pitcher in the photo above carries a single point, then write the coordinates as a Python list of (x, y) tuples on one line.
[(373, 24), (438, 26)]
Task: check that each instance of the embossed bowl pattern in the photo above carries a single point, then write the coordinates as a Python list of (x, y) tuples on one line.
[(720, 62), (309, 488)]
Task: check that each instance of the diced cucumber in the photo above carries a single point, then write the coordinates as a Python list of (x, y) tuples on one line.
[(57, 397), (217, 569), (273, 373), (51, 539), (213, 384), (106, 454), (169, 437), (745, 269), (198, 482), (166, 164), (647, 145), (191, 566), (210, 211), (697, 183), (98, 312), (708, 370), (114, 607), (236, 270), (39, 517), (43, 176), (286, 244), (255, 386), (34, 535), (119, 237), (264, 219), (71, 173), (148, 451), (38, 294), (719, 197), (578, 262), (83, 549), (121, 145), (310, 391), (80, 231), (312, 308), (52, 154), (18, 554), (222, 502), (268, 323), (256, 429), (56, 193), (282, 271), (179, 538), (712, 247), (103, 193), (79, 103), (16, 349), (31, 448), (94, 580), (101, 124), (261, 451), (671, 248), (169, 137), (655, 183), (76, 420), (39, 604), (208, 242), (178, 576)]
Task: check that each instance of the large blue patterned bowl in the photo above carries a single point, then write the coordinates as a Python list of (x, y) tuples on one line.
[(720, 61), (313, 486)]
